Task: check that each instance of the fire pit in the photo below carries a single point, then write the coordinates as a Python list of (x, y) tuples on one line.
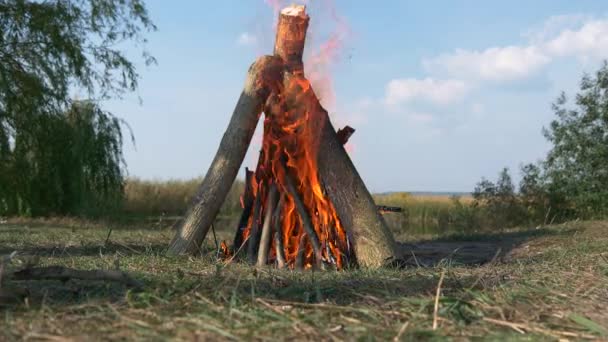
[(305, 205)]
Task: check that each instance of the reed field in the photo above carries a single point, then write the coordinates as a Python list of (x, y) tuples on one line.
[(421, 213)]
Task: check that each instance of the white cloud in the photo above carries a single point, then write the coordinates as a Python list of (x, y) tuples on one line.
[(246, 39), (590, 40), (399, 91), (492, 64), (560, 36), (553, 26)]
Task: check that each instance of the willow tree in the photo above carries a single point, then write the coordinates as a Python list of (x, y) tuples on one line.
[(47, 50)]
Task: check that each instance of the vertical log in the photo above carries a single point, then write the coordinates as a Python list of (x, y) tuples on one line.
[(254, 232), (267, 227), (291, 37), (247, 203), (278, 234)]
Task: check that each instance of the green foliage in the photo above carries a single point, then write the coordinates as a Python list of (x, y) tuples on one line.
[(66, 164), (48, 49), (499, 201), (577, 165), (572, 182)]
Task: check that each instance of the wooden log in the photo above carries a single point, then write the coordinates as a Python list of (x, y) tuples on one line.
[(267, 227), (305, 217), (372, 241), (278, 235), (254, 232), (299, 263), (247, 203), (261, 77), (291, 37)]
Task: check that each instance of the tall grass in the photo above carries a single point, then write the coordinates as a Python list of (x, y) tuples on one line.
[(430, 214), (421, 214), (171, 198)]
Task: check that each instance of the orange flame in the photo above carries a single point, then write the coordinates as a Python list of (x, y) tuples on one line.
[(290, 145)]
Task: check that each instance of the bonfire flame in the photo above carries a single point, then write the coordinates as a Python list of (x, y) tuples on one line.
[(289, 149), (288, 163)]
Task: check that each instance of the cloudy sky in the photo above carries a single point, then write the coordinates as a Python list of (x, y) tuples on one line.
[(441, 93)]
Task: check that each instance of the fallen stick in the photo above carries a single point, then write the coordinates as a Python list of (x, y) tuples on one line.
[(267, 227), (385, 208), (64, 274)]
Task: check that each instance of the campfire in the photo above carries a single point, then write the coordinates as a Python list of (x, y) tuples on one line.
[(305, 205)]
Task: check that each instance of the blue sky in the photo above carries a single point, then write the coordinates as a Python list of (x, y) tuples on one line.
[(441, 93)]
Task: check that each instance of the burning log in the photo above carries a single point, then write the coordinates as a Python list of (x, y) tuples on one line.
[(325, 213), (247, 205), (306, 222), (278, 236), (266, 229)]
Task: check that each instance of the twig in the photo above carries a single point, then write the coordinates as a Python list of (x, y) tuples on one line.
[(64, 274), (415, 259), (266, 228), (217, 246), (238, 250), (388, 209), (486, 265), (437, 294), (520, 327), (105, 243), (401, 331)]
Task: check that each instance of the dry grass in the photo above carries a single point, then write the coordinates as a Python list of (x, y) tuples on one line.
[(551, 284), (158, 200), (169, 198)]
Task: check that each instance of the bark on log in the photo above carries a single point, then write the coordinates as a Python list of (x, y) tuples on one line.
[(372, 241), (291, 37), (261, 77)]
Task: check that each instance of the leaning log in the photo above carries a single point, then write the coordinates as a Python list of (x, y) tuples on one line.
[(373, 242), (369, 234), (212, 192)]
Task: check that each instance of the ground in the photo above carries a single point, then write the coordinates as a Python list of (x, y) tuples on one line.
[(545, 283)]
